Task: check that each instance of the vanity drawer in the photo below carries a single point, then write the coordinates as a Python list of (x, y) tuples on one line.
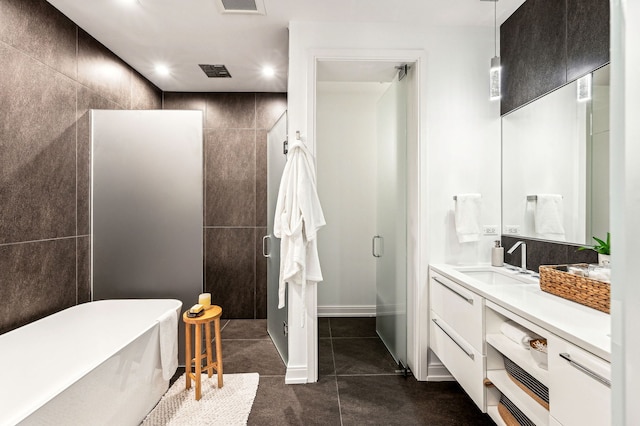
[(458, 307), (464, 363), (578, 391)]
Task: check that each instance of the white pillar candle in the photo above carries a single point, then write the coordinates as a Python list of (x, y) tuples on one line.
[(205, 300)]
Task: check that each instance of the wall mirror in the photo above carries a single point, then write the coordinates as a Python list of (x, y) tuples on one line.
[(555, 165)]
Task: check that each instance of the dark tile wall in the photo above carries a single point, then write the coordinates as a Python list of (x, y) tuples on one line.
[(51, 74), (235, 185), (587, 36), (541, 252), (532, 52), (548, 43)]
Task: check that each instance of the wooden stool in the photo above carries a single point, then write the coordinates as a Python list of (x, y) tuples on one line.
[(210, 315)]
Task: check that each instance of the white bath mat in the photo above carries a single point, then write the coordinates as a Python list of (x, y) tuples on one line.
[(230, 405)]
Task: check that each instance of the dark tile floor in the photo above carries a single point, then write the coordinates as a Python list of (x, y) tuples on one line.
[(357, 383)]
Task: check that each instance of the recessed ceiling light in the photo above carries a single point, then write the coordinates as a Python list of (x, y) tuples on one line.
[(162, 70), (268, 71), (129, 2)]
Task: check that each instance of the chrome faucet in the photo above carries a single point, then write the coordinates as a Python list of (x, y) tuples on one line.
[(523, 251)]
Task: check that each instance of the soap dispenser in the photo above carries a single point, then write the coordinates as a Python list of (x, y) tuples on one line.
[(497, 254)]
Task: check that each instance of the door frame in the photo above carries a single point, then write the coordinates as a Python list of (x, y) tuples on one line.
[(303, 336)]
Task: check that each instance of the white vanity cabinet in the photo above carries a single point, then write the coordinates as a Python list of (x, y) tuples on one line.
[(456, 335), (460, 308), (466, 333), (580, 385)]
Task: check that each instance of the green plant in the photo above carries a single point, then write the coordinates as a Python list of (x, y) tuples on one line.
[(602, 247)]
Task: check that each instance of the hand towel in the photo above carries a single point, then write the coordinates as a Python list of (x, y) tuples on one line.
[(467, 217), (168, 329), (549, 215), (517, 333)]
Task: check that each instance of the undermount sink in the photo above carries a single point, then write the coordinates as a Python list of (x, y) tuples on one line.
[(497, 276)]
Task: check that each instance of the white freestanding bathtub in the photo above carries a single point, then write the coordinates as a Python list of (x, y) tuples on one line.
[(93, 364)]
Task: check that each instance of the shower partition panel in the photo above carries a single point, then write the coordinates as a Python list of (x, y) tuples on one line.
[(390, 243), (146, 205), (276, 160)]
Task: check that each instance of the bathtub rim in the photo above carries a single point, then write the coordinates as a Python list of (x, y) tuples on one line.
[(78, 374)]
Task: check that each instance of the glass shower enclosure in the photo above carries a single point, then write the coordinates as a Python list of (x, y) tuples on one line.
[(146, 206), (276, 160), (390, 243)]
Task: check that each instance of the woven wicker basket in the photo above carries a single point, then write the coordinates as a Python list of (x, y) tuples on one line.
[(588, 292)]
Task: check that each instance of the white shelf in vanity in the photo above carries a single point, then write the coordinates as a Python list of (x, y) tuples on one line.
[(534, 411), (519, 355), (492, 411), (569, 327)]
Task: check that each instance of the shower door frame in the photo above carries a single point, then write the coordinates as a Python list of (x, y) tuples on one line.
[(303, 346)]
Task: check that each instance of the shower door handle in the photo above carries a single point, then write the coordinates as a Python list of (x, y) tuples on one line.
[(373, 246), (264, 244)]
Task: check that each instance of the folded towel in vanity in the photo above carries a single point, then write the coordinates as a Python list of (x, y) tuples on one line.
[(518, 333), (467, 217), (168, 325), (549, 216)]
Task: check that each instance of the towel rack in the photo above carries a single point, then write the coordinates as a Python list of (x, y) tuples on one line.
[(455, 198), (533, 198)]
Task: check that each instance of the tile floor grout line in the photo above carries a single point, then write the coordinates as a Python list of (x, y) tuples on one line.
[(335, 373), (368, 374), (248, 338), (354, 337)]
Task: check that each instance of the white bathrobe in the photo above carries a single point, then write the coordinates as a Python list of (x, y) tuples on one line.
[(298, 218)]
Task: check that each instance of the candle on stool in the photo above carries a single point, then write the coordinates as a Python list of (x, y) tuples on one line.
[(205, 300)]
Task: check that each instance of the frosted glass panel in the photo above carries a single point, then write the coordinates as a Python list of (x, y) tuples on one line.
[(147, 205), (390, 246), (276, 318)]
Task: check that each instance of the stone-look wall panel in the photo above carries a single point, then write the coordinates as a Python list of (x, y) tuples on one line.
[(230, 270), (38, 143), (541, 252), (230, 183), (548, 43), (38, 30), (102, 71), (51, 74), (37, 280), (532, 52), (235, 181), (587, 36)]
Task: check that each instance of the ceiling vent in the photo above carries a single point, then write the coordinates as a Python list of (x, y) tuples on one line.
[(250, 7), (215, 71)]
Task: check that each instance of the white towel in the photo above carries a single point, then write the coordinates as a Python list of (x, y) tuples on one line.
[(298, 218), (517, 333), (467, 217), (168, 328), (549, 216)]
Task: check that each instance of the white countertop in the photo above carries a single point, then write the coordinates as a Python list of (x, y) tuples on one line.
[(578, 324)]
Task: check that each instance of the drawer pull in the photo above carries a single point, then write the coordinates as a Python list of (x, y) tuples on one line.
[(586, 370), (469, 300), (469, 354)]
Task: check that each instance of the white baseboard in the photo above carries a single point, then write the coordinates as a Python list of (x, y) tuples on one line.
[(296, 376), (438, 373), (347, 311)]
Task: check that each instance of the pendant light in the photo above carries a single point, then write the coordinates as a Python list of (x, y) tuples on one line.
[(494, 71)]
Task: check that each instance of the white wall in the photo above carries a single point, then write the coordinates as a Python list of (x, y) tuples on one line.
[(346, 161), (459, 144)]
